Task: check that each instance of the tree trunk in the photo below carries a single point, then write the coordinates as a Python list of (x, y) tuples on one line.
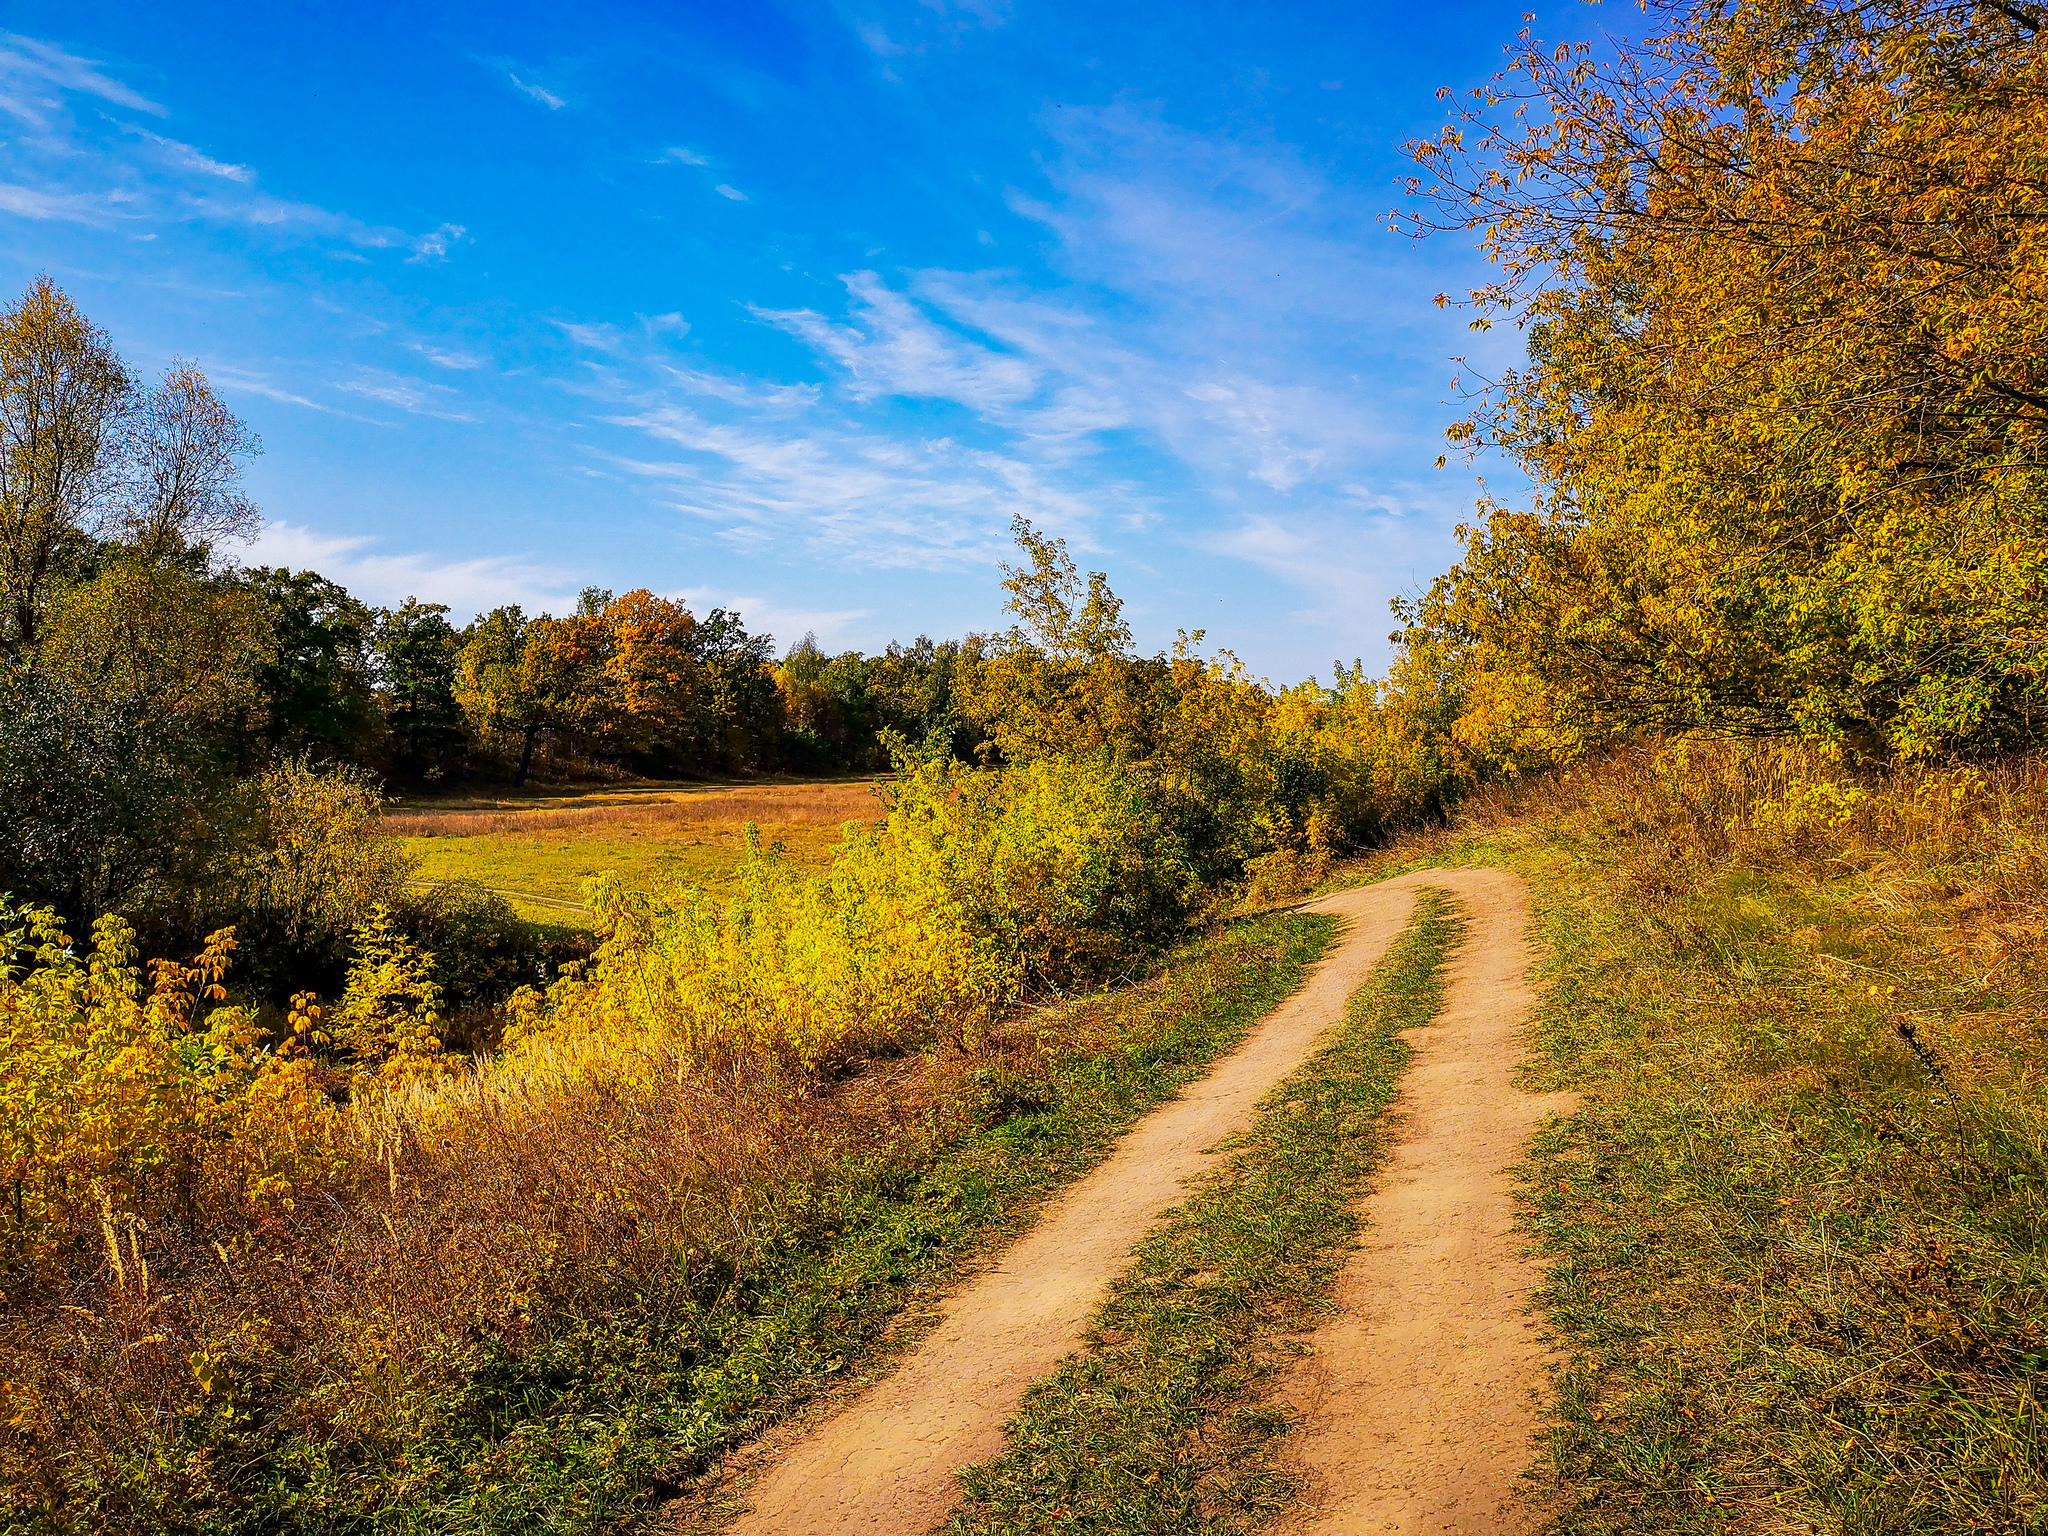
[(525, 757)]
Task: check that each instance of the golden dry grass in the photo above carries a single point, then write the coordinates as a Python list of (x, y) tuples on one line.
[(768, 804)]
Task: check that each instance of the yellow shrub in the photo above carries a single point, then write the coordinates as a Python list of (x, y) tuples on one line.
[(118, 1107), (977, 884)]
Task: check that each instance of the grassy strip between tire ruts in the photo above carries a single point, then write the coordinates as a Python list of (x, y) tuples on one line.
[(1163, 1424)]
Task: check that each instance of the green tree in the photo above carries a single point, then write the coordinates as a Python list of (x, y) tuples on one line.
[(103, 794), (506, 687), (418, 656), (315, 686), (1065, 680)]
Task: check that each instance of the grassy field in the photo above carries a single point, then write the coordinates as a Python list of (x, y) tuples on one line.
[(1797, 1238), (540, 849)]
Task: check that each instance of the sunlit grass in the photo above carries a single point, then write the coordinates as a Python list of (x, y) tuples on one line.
[(540, 851)]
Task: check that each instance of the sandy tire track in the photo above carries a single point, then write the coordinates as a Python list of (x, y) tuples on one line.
[(1418, 1397), (886, 1463)]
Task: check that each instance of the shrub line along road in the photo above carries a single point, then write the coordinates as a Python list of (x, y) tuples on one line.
[(1417, 1398)]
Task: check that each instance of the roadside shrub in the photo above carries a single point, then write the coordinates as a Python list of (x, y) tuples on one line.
[(482, 952), (124, 1108), (977, 886)]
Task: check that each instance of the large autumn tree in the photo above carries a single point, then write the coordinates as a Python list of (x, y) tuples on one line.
[(1783, 269)]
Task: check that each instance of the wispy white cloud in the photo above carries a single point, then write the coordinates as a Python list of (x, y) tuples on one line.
[(874, 498), (442, 357), (598, 338), (184, 157), (753, 394), (677, 155), (417, 398), (468, 587), (30, 65), (1205, 327), (535, 92), (71, 207), (242, 381), (921, 27), (434, 245), (78, 160), (732, 192), (890, 346)]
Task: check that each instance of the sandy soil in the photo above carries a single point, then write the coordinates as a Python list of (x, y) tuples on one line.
[(1418, 1397)]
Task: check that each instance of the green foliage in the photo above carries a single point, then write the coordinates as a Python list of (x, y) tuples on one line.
[(1246, 778), (841, 709), (417, 653), (158, 637), (102, 795), (315, 686), (388, 1021), (481, 953), (62, 392), (322, 864)]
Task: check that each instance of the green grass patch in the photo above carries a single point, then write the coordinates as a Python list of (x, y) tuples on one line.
[(1163, 1425), (1797, 1283), (610, 1400), (557, 866)]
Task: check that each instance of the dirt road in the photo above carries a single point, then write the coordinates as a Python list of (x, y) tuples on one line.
[(886, 1464), (1416, 1397)]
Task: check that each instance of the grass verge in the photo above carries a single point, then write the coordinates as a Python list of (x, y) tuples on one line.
[(1797, 1263), (613, 1393), (1161, 1426)]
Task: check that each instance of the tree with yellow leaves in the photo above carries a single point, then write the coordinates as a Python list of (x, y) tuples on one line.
[(1783, 269)]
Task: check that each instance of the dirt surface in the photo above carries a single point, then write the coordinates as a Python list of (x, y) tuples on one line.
[(1417, 1398), (885, 1465)]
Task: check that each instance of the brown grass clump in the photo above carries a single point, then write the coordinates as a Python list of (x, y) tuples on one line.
[(816, 804)]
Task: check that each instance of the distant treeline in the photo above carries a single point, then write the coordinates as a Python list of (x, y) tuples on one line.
[(633, 683)]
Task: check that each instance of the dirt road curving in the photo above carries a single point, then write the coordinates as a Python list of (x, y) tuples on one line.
[(1416, 1398), (886, 1464)]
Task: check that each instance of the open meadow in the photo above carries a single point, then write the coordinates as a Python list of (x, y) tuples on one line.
[(539, 850)]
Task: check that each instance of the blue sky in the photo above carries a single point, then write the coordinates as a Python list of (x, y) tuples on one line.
[(787, 307)]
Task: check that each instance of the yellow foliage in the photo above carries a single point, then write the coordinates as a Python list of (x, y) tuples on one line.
[(389, 1018), (978, 884), (117, 1106)]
